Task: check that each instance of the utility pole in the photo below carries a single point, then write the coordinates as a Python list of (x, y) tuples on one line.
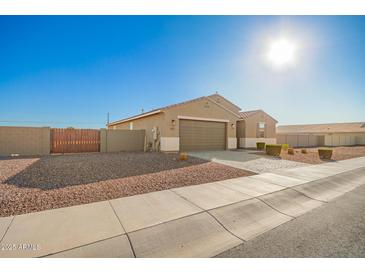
[(106, 132)]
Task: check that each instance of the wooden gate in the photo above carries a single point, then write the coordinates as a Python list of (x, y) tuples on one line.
[(69, 140)]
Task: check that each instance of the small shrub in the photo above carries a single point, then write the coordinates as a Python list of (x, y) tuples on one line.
[(183, 156), (260, 145), (325, 154), (290, 151), (273, 150), (304, 151), (285, 146)]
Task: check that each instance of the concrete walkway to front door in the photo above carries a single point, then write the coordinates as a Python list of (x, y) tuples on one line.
[(194, 221), (252, 160)]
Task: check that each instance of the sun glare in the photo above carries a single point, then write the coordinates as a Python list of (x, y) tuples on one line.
[(281, 53)]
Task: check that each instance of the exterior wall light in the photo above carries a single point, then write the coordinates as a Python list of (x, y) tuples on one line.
[(173, 122), (233, 125)]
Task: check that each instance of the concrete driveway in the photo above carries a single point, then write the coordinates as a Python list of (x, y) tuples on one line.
[(251, 160)]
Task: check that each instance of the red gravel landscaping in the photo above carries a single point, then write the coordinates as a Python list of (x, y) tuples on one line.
[(35, 184), (311, 157)]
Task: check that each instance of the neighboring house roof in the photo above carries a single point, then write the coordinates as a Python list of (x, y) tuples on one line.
[(161, 109), (322, 128), (245, 114)]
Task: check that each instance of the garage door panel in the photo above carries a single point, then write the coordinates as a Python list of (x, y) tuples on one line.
[(202, 135)]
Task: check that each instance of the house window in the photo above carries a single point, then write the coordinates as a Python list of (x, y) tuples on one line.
[(131, 126), (261, 130)]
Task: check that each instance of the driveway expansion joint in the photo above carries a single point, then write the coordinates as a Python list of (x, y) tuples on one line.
[(266, 203), (207, 211), (12, 219), (293, 188), (129, 240), (165, 222), (88, 244)]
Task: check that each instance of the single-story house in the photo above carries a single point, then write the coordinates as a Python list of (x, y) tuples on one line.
[(336, 134), (205, 123)]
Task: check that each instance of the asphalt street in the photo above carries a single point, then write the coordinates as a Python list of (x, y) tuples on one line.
[(336, 229)]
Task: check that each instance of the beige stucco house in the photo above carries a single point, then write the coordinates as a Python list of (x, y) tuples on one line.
[(335, 134), (205, 123), (255, 126)]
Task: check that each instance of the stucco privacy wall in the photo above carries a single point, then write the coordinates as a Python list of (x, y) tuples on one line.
[(300, 140), (146, 123), (360, 139), (341, 139), (24, 141), (116, 140)]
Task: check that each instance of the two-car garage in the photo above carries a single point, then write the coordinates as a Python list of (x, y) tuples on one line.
[(204, 123), (202, 135)]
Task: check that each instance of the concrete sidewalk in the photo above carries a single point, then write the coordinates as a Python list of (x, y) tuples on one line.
[(194, 221)]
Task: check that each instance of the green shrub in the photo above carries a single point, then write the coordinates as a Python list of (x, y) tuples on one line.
[(325, 153), (285, 146), (273, 150), (260, 145), (304, 151), (291, 151)]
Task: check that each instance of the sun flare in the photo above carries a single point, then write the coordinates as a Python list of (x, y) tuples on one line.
[(281, 53)]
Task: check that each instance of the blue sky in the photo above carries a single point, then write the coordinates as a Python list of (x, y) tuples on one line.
[(70, 71)]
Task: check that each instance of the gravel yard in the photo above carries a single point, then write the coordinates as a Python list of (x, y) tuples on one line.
[(34, 184), (311, 157)]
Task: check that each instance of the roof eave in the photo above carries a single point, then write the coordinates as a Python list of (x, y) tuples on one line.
[(259, 110), (135, 117)]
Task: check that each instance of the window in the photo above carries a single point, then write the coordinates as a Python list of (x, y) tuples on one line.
[(261, 130), (130, 125)]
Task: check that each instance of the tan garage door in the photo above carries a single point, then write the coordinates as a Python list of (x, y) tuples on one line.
[(202, 135)]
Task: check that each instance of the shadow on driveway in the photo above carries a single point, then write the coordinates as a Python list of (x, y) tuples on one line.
[(239, 155)]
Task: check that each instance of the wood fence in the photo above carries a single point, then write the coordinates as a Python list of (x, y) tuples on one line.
[(70, 140)]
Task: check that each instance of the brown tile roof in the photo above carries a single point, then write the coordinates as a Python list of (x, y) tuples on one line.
[(157, 110), (242, 114), (148, 113), (246, 114), (225, 99), (323, 128), (183, 103)]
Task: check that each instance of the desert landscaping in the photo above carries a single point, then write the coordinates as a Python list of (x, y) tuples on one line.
[(311, 155), (35, 184)]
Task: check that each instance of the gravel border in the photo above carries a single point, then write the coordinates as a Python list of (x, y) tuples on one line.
[(311, 157)]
